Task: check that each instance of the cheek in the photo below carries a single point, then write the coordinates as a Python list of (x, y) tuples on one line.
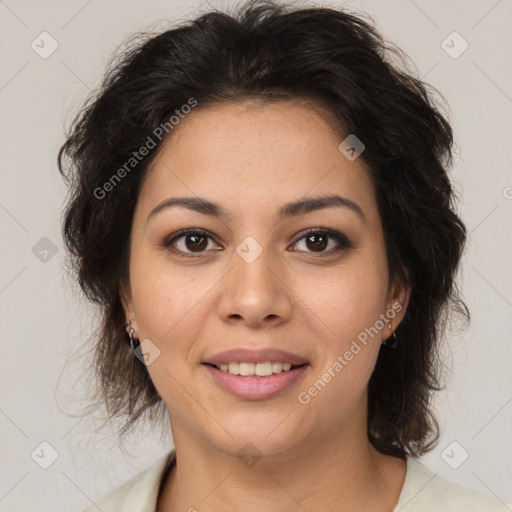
[(167, 301), (349, 304), (348, 301), (170, 311)]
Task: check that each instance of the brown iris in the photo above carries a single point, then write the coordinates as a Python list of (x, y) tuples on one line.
[(199, 242), (317, 246)]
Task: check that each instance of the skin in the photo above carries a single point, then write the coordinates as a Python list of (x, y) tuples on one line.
[(251, 158)]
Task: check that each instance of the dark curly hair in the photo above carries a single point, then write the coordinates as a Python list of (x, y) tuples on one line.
[(273, 52)]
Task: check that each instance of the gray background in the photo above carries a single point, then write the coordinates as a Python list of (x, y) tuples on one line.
[(44, 322)]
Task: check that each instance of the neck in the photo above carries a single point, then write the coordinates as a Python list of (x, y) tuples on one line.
[(345, 473)]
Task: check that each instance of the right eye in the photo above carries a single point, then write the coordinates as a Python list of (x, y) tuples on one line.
[(189, 242)]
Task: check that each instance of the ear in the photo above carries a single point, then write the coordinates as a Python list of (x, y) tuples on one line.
[(125, 295), (398, 299)]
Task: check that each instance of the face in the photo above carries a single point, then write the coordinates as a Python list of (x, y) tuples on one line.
[(256, 273)]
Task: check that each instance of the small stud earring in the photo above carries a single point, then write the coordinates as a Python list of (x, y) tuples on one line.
[(134, 342), (390, 343)]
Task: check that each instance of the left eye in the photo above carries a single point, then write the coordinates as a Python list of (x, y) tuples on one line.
[(316, 240)]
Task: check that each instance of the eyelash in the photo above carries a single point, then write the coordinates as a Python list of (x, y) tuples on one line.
[(342, 240)]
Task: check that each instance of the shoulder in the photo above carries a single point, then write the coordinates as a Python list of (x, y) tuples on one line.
[(140, 493), (425, 491)]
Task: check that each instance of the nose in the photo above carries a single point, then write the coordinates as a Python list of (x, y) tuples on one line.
[(256, 293)]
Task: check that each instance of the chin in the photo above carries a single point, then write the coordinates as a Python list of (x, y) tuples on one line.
[(258, 435)]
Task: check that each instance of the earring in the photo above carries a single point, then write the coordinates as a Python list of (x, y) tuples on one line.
[(390, 343), (134, 342)]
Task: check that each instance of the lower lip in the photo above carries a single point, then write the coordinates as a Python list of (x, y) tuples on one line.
[(256, 388)]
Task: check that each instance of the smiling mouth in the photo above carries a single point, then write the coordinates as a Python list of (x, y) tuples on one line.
[(264, 369)]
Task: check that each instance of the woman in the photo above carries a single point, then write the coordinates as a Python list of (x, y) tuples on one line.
[(260, 205)]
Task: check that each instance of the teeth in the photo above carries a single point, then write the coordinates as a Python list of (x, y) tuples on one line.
[(263, 369), (260, 369), (277, 367)]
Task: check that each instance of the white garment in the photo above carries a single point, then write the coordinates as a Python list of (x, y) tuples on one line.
[(422, 491)]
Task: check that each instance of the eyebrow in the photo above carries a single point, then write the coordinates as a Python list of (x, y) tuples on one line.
[(288, 210)]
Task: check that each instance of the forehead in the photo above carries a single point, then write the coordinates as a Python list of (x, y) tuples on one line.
[(249, 153)]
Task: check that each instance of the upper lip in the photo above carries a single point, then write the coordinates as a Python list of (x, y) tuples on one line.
[(241, 355)]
